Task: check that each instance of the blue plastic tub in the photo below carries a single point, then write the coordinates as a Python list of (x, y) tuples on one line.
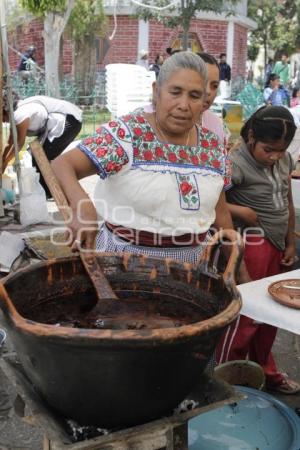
[(258, 422)]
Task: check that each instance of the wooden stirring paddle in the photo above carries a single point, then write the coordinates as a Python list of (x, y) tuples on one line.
[(91, 264)]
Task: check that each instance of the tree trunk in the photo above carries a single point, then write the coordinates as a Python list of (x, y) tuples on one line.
[(185, 26), (265, 52), (54, 25), (85, 65), (185, 36)]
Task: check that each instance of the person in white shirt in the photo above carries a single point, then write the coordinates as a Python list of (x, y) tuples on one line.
[(54, 122), (143, 59)]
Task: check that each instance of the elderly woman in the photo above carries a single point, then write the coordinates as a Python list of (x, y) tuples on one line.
[(161, 176), (54, 122)]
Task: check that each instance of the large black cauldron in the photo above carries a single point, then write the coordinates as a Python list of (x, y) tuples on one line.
[(118, 377)]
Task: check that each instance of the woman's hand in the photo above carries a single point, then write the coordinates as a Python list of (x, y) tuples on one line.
[(9, 151), (289, 255), (83, 226), (243, 275), (7, 157), (83, 222)]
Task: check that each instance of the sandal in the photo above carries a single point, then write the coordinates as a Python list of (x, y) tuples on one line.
[(287, 386)]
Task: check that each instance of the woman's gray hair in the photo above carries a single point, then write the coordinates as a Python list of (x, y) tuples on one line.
[(15, 99), (181, 60)]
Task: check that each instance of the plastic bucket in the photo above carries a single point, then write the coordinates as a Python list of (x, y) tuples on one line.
[(241, 372)]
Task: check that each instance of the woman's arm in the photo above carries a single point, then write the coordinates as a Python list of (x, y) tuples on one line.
[(224, 220), (244, 213), (223, 216), (290, 249), (268, 95), (69, 168), (9, 151)]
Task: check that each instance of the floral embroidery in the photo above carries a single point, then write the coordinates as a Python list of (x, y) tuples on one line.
[(105, 151), (148, 150), (188, 192), (137, 131), (110, 147), (228, 174)]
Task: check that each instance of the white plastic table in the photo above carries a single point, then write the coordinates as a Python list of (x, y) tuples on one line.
[(259, 305), (296, 192)]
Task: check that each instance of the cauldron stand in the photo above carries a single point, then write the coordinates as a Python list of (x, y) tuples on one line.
[(168, 433)]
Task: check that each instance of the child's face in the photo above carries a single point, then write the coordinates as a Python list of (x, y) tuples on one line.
[(268, 153), (213, 82), (275, 83), (298, 93)]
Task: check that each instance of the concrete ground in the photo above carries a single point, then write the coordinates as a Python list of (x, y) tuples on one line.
[(18, 433)]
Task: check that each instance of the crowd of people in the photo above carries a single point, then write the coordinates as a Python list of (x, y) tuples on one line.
[(166, 168), (281, 82)]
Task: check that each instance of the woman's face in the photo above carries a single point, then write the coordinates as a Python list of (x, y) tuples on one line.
[(179, 101), (212, 85), (268, 153)]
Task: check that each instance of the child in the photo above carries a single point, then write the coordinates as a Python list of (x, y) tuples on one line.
[(261, 198), (208, 119), (295, 100), (274, 93)]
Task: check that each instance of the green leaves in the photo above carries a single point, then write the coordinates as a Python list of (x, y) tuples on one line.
[(185, 12), (41, 7), (277, 24), (87, 17)]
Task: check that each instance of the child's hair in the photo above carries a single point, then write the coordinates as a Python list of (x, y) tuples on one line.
[(295, 92), (270, 124), (271, 77), (209, 59)]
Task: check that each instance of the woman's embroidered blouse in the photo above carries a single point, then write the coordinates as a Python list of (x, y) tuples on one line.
[(152, 185)]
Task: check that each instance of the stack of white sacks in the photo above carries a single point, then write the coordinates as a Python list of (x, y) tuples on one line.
[(128, 86)]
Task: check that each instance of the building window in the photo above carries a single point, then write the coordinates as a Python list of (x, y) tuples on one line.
[(193, 43)]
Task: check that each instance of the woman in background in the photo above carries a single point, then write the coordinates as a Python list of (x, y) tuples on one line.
[(54, 122), (208, 119), (157, 64)]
